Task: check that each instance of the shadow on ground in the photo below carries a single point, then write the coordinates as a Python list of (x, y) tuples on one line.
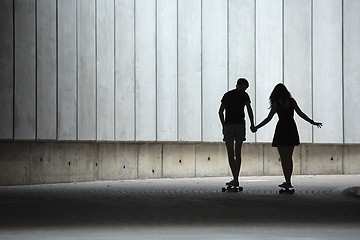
[(163, 206)]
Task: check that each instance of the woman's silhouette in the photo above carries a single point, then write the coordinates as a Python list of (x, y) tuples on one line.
[(286, 135)]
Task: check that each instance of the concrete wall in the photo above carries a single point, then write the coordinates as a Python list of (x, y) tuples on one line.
[(85, 83), (45, 162), (155, 70)]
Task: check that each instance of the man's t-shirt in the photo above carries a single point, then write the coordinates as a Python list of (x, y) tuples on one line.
[(235, 101)]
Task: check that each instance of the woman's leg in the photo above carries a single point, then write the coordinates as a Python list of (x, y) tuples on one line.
[(286, 161)]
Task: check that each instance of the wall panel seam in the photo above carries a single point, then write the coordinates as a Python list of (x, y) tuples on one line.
[(162, 160), (14, 72), (228, 42), (115, 85), (312, 68), (254, 100), (263, 158), (36, 69), (137, 157), (283, 40), (195, 153), (343, 159), (77, 69), (135, 70), (201, 72), (342, 74), (57, 74), (301, 160), (96, 71), (156, 69), (177, 70)]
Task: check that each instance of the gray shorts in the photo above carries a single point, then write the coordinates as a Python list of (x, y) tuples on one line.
[(234, 132)]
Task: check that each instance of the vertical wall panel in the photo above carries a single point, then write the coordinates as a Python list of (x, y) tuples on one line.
[(297, 60), (6, 69), (105, 70), (25, 69), (242, 50), (86, 62), (189, 70), (327, 70), (125, 68), (145, 70), (268, 60), (351, 71), (167, 70), (152, 70), (46, 69), (67, 70), (214, 61)]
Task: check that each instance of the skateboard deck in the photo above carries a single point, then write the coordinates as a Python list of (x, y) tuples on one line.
[(286, 190), (232, 188)]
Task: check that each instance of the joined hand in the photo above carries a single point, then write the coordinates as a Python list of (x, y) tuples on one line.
[(253, 129)]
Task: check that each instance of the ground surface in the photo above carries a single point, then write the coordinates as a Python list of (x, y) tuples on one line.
[(183, 209)]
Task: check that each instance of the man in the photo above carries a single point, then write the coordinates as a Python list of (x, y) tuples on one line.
[(233, 103)]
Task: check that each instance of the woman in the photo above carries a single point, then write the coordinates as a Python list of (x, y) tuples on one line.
[(286, 136)]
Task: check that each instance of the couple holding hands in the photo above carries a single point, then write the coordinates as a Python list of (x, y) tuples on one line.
[(286, 135)]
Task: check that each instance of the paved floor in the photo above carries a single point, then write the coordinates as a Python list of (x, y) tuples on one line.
[(183, 209)]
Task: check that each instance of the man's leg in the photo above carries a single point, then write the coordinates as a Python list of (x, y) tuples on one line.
[(238, 145), (230, 152)]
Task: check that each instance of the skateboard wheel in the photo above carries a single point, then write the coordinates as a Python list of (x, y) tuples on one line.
[(223, 189)]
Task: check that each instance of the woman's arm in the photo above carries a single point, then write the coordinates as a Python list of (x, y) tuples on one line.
[(268, 118), (304, 116)]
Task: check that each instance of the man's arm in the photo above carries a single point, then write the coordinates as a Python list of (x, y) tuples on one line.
[(221, 114), (251, 115)]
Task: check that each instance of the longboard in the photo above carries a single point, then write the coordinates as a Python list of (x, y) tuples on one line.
[(232, 188), (286, 190)]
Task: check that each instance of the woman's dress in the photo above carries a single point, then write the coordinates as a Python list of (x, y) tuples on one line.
[(286, 133)]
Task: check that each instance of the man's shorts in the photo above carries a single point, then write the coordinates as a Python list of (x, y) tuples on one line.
[(234, 132)]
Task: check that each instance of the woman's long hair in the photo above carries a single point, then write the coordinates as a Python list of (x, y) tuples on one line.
[(280, 92)]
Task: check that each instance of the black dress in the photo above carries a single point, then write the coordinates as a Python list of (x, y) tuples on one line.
[(286, 133)]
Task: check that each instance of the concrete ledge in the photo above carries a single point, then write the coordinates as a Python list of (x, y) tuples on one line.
[(322, 159), (53, 162), (149, 160), (211, 160), (179, 160), (117, 161), (252, 160), (351, 159)]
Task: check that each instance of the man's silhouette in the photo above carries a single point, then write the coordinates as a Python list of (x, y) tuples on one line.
[(233, 103)]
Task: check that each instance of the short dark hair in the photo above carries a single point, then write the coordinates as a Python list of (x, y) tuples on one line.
[(242, 82)]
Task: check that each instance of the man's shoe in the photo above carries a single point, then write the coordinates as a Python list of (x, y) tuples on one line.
[(285, 185), (229, 183), (234, 183)]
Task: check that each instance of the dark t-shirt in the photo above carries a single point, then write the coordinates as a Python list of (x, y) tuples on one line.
[(235, 101)]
